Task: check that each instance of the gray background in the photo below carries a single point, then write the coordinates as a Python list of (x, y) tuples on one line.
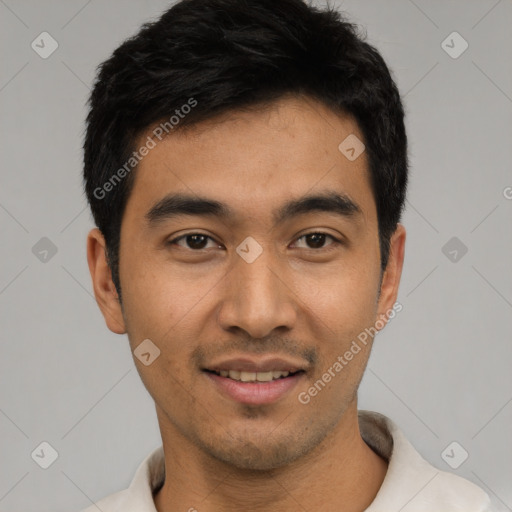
[(441, 369)]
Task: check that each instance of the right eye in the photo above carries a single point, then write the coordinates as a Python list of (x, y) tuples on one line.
[(193, 241)]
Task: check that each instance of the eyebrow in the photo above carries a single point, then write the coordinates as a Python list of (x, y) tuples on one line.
[(176, 205)]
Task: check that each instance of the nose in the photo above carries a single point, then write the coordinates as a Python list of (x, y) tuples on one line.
[(257, 298)]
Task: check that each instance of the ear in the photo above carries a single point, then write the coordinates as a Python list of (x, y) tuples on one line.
[(104, 288), (391, 276)]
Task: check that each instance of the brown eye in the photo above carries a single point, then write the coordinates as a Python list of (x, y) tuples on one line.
[(317, 240), (194, 241)]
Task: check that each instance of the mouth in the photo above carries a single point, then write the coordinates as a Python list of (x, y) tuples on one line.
[(254, 388), (245, 376)]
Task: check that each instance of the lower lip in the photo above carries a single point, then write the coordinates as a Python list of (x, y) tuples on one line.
[(255, 393)]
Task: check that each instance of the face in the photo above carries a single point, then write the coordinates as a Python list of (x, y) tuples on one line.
[(249, 277)]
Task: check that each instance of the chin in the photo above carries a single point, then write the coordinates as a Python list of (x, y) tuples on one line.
[(262, 453), (251, 458)]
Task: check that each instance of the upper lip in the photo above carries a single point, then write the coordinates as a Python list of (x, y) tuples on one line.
[(247, 364)]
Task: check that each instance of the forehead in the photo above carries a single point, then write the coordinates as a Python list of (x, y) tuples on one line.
[(253, 160)]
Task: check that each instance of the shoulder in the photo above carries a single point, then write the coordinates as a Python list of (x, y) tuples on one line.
[(138, 497), (412, 484), (457, 492)]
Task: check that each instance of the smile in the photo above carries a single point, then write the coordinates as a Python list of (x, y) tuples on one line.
[(244, 376), (254, 388)]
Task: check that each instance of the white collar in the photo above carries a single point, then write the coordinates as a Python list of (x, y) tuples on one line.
[(411, 484)]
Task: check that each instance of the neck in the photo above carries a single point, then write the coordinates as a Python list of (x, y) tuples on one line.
[(341, 471)]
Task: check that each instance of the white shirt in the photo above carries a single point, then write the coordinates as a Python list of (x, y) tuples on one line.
[(411, 484)]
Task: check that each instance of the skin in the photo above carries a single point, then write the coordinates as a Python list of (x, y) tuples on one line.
[(296, 300)]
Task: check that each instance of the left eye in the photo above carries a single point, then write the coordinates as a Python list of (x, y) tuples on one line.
[(318, 239), (198, 241)]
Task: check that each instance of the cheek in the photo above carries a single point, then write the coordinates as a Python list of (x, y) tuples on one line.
[(156, 296), (345, 299)]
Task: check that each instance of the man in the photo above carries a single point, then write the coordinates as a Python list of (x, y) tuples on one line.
[(246, 166)]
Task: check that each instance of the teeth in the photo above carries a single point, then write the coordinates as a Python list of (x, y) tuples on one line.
[(264, 376), (253, 376), (234, 374), (247, 376)]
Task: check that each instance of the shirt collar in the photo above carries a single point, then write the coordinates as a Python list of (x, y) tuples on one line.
[(410, 480)]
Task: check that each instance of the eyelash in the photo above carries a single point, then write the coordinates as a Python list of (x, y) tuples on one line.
[(336, 242)]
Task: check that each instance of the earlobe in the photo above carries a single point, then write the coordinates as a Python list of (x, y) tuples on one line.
[(104, 288), (392, 274)]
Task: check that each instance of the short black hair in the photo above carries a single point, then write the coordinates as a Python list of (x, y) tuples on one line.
[(218, 56)]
